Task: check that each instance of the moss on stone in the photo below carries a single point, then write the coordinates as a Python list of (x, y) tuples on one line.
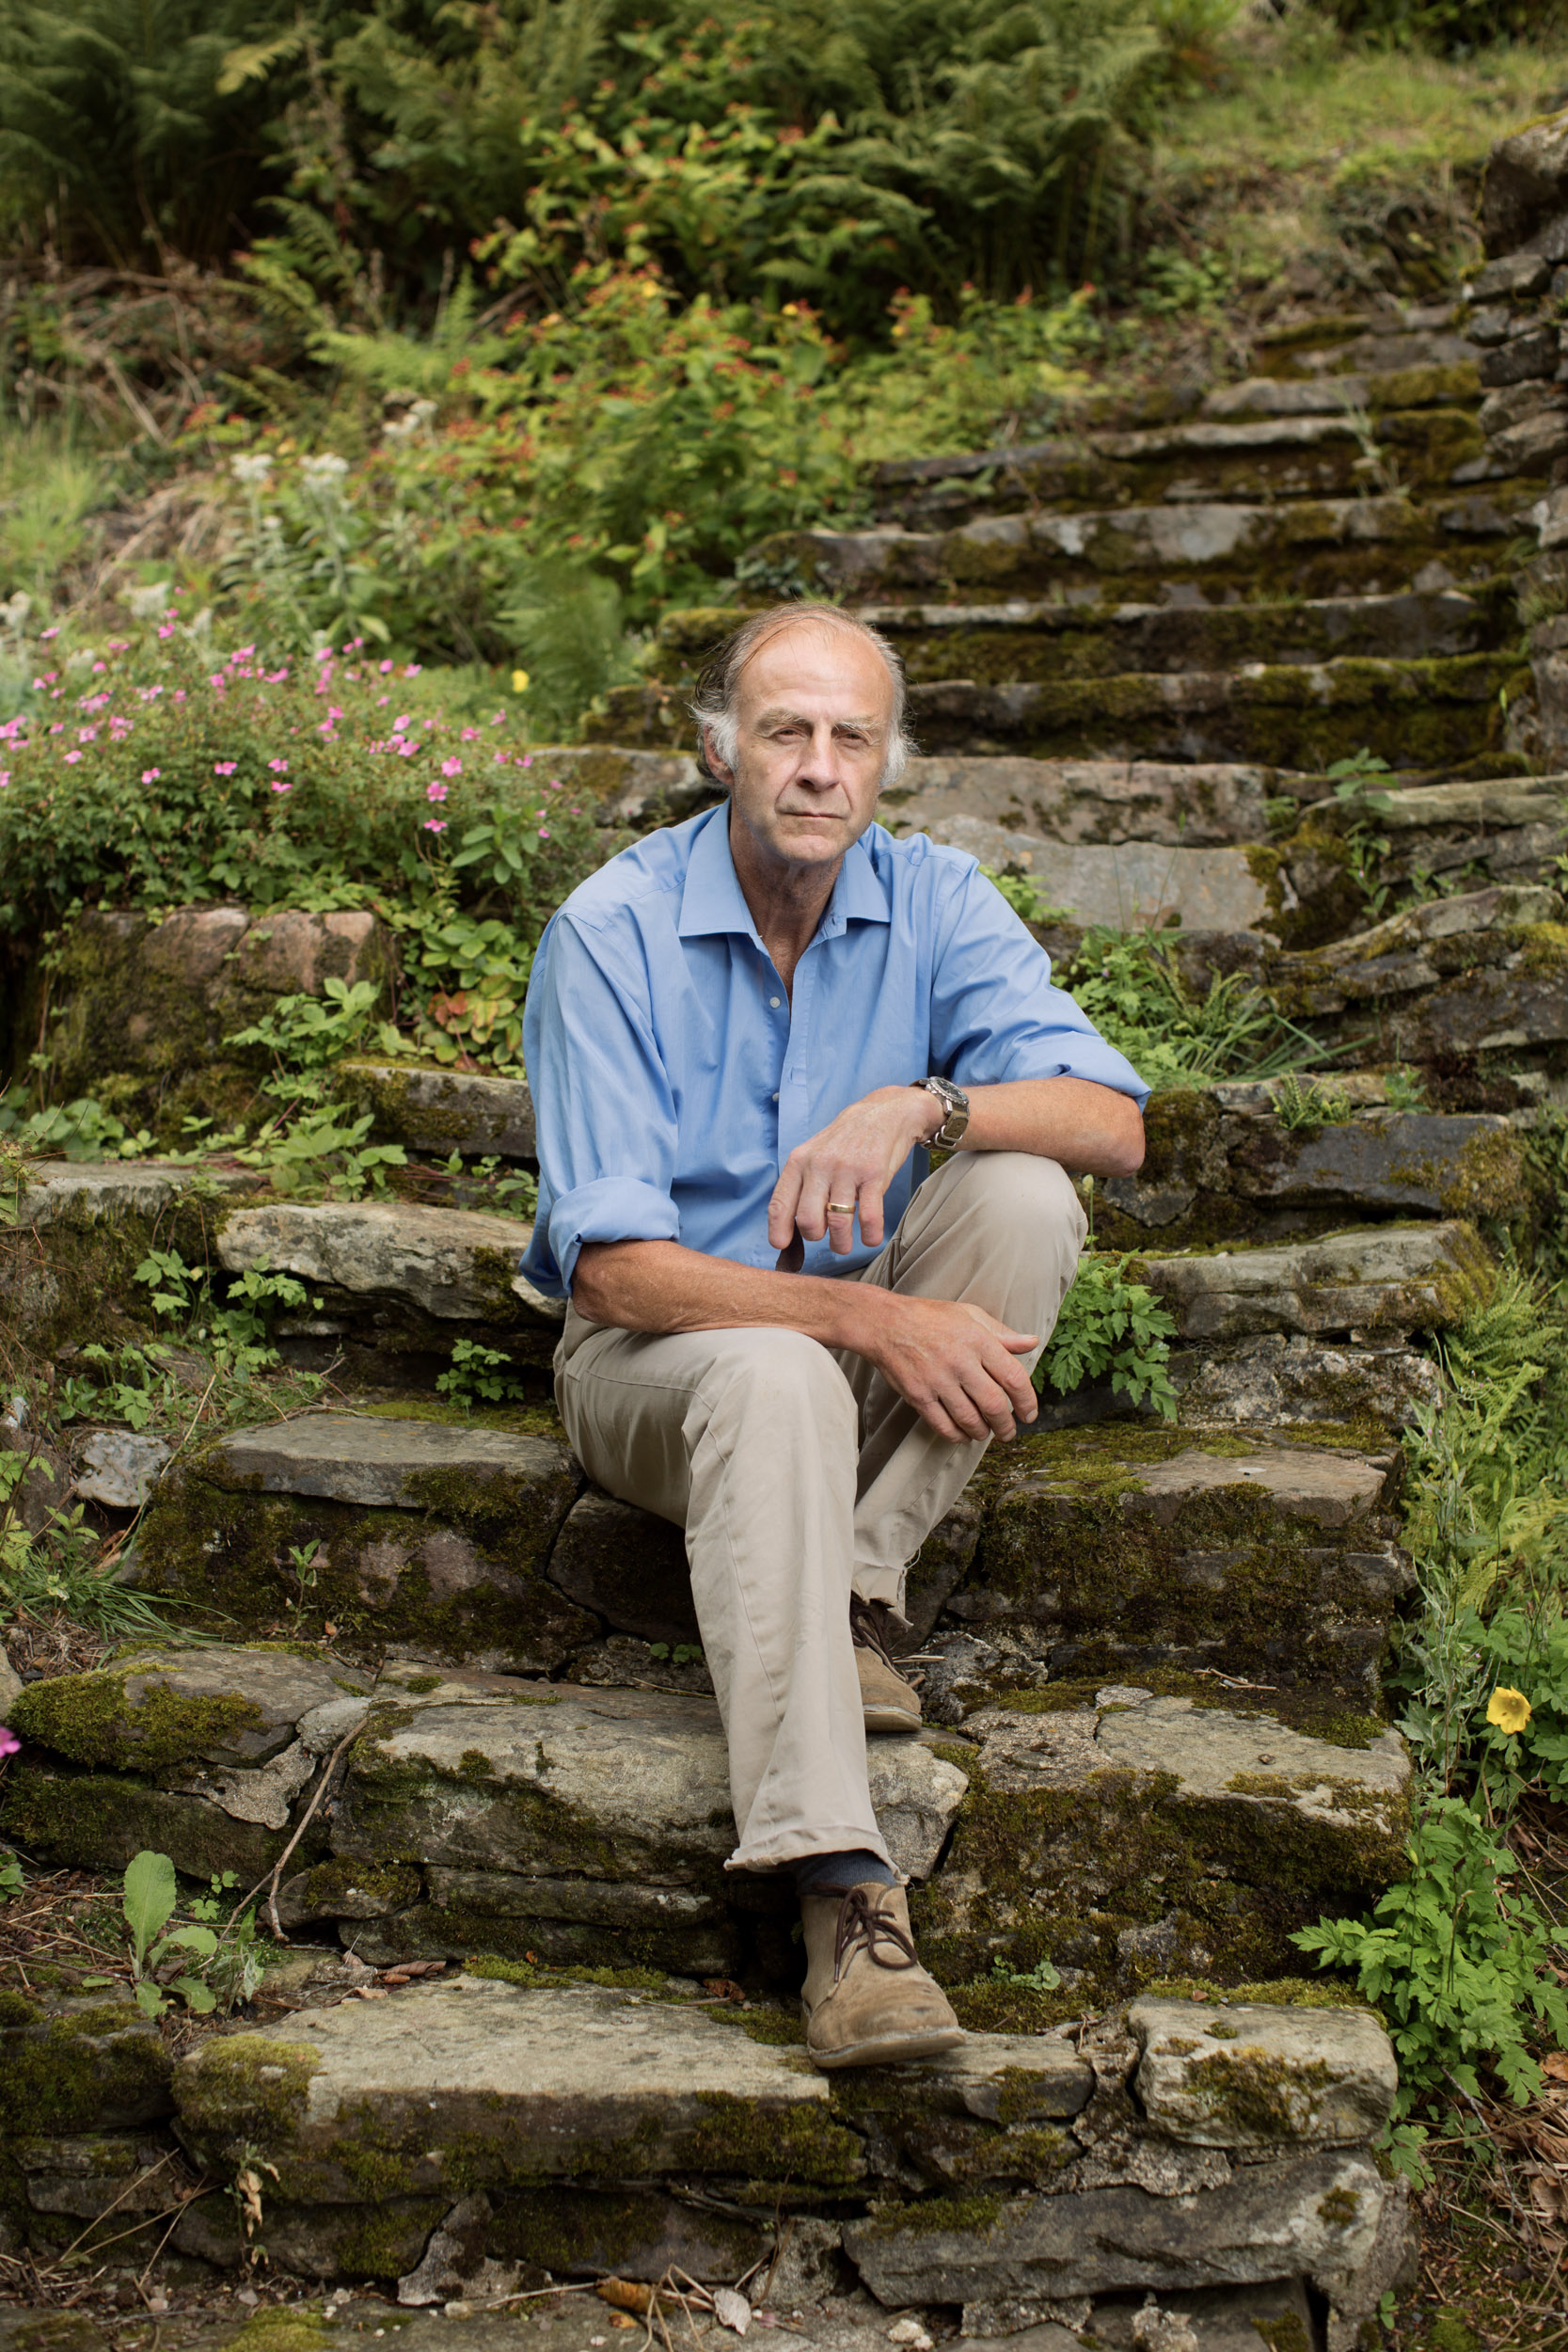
[(530, 1973), (1066, 1546), (801, 2144), (1072, 1875), (226, 1556), (97, 1821), (965, 2216), (331, 1886), (1271, 1993), (82, 2068), (92, 1719), (1317, 1714), (280, 2330), (1252, 2093), (245, 2090)]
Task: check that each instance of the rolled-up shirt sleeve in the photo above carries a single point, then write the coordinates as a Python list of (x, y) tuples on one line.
[(603, 1109), (995, 1014)]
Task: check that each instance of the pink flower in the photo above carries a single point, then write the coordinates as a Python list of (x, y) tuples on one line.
[(278, 767), (398, 724), (179, 693), (119, 645), (71, 758), (527, 759), (165, 628), (451, 766), (98, 667), (544, 833), (224, 767), (10, 1743), (4, 778), (275, 677), (413, 669), (87, 734), (405, 747), (282, 786), (436, 791), (435, 824), (46, 634), (386, 668), (322, 652), (470, 735), (333, 712), (151, 775)]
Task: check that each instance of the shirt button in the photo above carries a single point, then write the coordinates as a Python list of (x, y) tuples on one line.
[(775, 1094), (774, 1002)]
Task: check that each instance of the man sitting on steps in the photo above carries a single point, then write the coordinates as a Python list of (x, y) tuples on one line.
[(743, 1035)]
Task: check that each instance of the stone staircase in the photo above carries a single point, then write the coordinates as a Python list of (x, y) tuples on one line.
[(455, 1711)]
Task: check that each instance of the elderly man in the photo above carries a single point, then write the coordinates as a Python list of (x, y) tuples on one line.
[(744, 1036)]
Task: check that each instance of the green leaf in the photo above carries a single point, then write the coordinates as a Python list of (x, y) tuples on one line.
[(149, 1894)]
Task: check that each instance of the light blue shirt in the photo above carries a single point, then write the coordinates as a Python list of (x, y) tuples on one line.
[(674, 1073)]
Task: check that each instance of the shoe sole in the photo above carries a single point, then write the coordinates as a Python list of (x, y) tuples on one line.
[(890, 2049), (890, 1719)]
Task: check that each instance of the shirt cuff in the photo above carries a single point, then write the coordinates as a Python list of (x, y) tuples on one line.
[(615, 1208)]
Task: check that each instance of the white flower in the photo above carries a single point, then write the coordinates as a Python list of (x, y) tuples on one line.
[(328, 467), (145, 602), (252, 469)]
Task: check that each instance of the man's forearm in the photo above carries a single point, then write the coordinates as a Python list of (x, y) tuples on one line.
[(660, 1286), (1091, 1129)]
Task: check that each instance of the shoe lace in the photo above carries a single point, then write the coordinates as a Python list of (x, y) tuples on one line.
[(862, 1925)]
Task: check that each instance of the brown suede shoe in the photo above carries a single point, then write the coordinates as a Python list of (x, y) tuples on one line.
[(866, 1999), (889, 1702)]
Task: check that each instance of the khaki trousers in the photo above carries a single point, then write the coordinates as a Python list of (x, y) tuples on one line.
[(800, 1476)]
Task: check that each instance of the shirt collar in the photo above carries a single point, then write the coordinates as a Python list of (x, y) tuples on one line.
[(713, 900)]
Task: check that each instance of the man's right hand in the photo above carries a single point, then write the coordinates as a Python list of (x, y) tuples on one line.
[(955, 1363)]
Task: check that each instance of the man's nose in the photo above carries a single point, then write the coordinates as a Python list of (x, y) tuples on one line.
[(822, 766)]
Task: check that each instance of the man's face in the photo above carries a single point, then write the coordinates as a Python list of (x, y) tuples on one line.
[(814, 711)]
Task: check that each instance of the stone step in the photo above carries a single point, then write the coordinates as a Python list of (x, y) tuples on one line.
[(1426, 715), (1226, 553), (1115, 1549), (1047, 643), (1454, 384), (1483, 972), (1077, 802), (431, 1110), (1217, 1171), (1270, 457), (588, 1826), (1433, 715), (1424, 335), (191, 976), (396, 1281), (1379, 1279), (91, 1223), (1165, 2143)]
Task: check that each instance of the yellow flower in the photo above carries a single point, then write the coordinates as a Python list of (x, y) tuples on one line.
[(519, 681), (1508, 1709)]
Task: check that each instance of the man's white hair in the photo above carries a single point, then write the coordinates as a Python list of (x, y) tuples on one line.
[(715, 706)]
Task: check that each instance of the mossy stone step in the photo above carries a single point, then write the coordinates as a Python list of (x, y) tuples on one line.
[(150, 1001), (1125, 885), (1428, 714), (1279, 457), (396, 1278), (1384, 1280), (1049, 641), (1254, 1554), (1126, 1836), (1213, 1173), (417, 1530), (587, 1825), (1479, 973), (1079, 801), (1223, 549), (1455, 383), (440, 1111), (540, 2108), (79, 2062)]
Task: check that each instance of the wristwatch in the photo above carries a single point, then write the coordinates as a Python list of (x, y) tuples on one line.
[(955, 1104)]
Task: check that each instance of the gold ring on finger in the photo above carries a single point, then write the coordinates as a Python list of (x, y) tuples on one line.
[(841, 1208)]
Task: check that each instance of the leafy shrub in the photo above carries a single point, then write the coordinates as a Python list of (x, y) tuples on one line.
[(1458, 1960), (1110, 1325), (170, 777), (1456, 25)]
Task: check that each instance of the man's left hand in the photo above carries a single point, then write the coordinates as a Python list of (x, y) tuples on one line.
[(851, 1162)]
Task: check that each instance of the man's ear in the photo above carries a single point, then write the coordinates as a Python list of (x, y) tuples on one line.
[(715, 767)]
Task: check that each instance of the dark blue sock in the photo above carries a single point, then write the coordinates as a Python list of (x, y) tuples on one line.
[(828, 1873)]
